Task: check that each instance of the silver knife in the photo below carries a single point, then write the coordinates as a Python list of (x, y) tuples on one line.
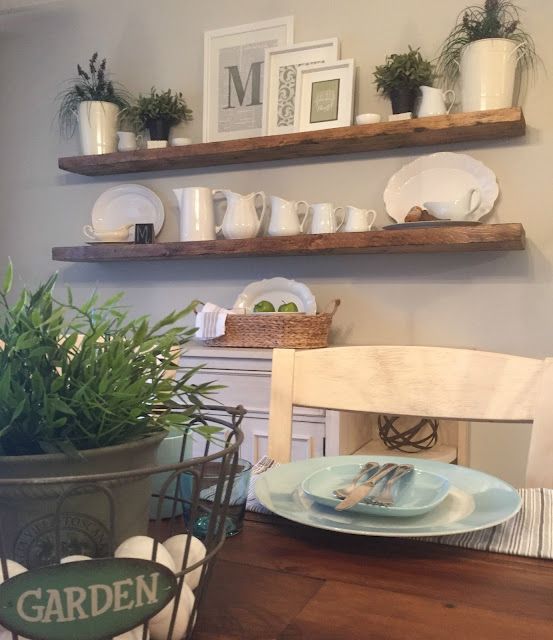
[(361, 490)]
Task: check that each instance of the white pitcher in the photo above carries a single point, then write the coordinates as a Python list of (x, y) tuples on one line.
[(241, 220), (359, 219), (324, 218), (434, 101), (285, 217), (197, 220)]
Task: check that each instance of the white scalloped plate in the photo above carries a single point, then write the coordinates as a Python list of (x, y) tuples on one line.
[(277, 291), (436, 177)]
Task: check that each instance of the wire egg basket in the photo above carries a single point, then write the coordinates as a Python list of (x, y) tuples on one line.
[(80, 516)]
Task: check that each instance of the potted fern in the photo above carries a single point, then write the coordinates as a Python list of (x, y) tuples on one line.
[(486, 48), (84, 389), (93, 102), (401, 76), (159, 111)]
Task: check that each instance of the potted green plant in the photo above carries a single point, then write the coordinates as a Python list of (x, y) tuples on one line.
[(401, 76), (84, 389), (485, 48), (93, 102), (161, 110)]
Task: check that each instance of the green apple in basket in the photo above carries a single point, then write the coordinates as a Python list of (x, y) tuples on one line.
[(288, 307), (264, 306)]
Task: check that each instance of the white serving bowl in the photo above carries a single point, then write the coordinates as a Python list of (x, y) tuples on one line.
[(368, 118)]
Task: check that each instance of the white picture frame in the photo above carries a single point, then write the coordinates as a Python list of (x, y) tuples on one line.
[(281, 67), (234, 58), (325, 96)]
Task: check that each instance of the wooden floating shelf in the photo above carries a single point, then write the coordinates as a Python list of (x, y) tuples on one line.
[(458, 127), (485, 237)]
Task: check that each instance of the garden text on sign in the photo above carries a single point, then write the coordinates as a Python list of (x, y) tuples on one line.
[(89, 600)]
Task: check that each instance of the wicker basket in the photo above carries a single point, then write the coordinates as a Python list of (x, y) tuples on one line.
[(284, 330)]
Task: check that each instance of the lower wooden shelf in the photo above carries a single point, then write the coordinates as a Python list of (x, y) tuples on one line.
[(484, 237)]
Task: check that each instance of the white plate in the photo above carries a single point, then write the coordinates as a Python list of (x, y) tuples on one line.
[(277, 291), (476, 500), (127, 203), (417, 493), (433, 223), (438, 177)]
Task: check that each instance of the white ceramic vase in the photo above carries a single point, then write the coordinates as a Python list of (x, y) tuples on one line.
[(98, 127), (488, 69)]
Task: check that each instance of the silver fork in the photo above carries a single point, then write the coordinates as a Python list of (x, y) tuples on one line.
[(385, 497), (343, 492)]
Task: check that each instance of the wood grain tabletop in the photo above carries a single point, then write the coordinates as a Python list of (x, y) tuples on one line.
[(281, 581)]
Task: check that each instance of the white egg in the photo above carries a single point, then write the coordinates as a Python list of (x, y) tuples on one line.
[(176, 546), (14, 569), (159, 626), (75, 558), (5, 634), (142, 547)]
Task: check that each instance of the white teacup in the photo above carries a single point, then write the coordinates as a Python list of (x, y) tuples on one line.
[(112, 235)]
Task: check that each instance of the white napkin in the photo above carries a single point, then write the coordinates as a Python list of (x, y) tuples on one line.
[(210, 321)]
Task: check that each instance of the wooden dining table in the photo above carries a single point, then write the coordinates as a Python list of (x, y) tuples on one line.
[(278, 580)]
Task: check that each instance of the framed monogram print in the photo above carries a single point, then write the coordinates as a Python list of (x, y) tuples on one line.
[(234, 60), (281, 74), (325, 96)]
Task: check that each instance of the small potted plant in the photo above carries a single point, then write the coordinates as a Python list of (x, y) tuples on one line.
[(401, 76), (486, 47), (84, 389), (161, 110), (93, 102)]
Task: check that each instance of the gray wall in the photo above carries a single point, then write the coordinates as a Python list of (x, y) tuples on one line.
[(495, 301)]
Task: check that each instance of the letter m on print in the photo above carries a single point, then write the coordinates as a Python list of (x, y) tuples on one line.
[(238, 89)]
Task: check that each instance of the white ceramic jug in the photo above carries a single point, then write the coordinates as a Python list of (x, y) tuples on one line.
[(285, 217), (359, 219), (324, 218), (434, 101), (197, 220), (241, 220)]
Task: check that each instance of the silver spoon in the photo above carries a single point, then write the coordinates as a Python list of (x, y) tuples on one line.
[(368, 467)]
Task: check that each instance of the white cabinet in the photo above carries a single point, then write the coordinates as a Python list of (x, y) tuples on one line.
[(246, 374)]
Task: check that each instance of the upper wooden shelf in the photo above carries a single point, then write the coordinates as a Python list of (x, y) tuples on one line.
[(458, 127), (485, 237)]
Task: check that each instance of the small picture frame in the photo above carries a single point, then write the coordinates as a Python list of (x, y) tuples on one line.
[(234, 60), (325, 96), (281, 74)]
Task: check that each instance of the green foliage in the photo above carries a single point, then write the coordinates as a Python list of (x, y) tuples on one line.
[(165, 105), (496, 19), (93, 84), (87, 376), (403, 71)]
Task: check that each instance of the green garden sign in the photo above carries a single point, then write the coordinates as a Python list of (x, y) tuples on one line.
[(88, 600)]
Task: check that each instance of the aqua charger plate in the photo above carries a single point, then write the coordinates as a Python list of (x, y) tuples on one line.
[(475, 500), (417, 493)]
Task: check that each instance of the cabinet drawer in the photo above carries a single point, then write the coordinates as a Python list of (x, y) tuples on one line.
[(252, 389)]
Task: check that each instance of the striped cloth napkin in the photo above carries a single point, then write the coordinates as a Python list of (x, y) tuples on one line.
[(529, 533), (210, 321)]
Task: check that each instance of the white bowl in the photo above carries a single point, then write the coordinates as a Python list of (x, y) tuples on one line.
[(367, 118)]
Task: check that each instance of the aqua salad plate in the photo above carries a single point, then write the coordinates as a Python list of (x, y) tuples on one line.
[(475, 500), (417, 493)]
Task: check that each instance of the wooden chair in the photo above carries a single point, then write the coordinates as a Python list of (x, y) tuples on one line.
[(417, 381)]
